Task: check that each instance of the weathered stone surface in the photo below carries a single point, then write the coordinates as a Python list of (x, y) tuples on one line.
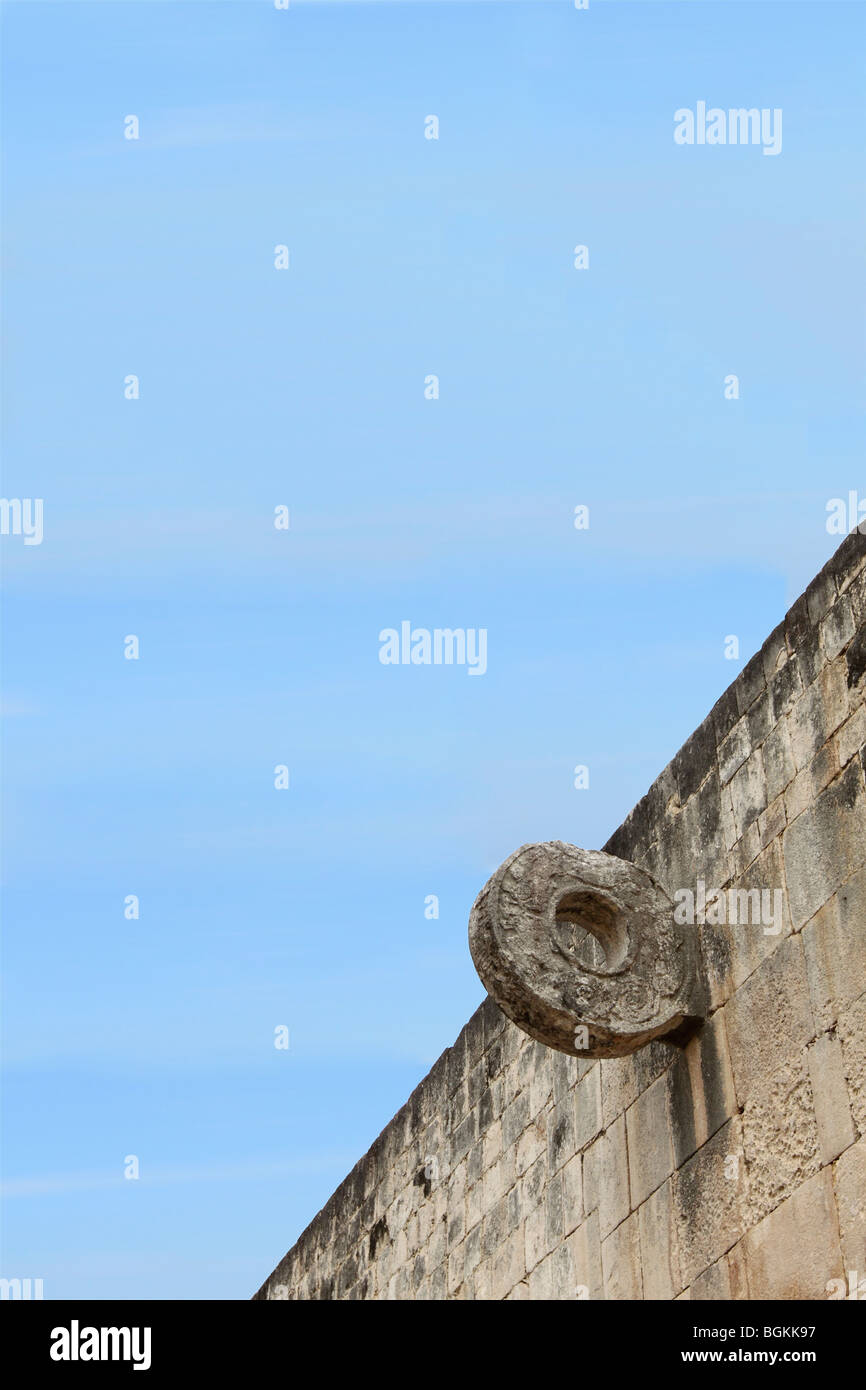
[(779, 766), (621, 1262), (851, 1028), (774, 652), (709, 1206), (751, 682), (830, 1095), (805, 726), (714, 1283), (837, 629), (748, 792), (734, 750), (835, 948), (825, 844), (751, 941), (700, 1088), (605, 1178), (769, 1017), (553, 1279), (587, 1108), (849, 1176), (620, 1086), (694, 760), (572, 1194), (651, 1156), (851, 737), (580, 949), (780, 1136), (584, 1247), (508, 1264), (658, 1243), (794, 1252)]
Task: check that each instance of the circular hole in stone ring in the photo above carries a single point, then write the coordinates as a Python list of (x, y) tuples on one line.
[(591, 931)]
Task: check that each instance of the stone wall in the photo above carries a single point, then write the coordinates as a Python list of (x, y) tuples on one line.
[(732, 1168)]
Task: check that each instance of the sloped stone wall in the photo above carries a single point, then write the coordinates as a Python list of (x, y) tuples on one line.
[(734, 1168)]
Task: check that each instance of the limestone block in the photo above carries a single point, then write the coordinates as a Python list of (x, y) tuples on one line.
[(499, 1178), (820, 595), (531, 1144), (750, 682), (769, 1019), (710, 1206), (491, 1144), (471, 1254), (849, 1177), (851, 1028), (695, 835), (752, 941), (780, 1136), (621, 1261), (855, 660), (474, 1204), (553, 1210), (834, 695), (651, 1157), (658, 1244), (700, 1089), (801, 636), (738, 1272), (515, 1119), (830, 1093), (856, 591), (734, 750), (774, 652), (482, 1282), (605, 1177), (566, 1074), (584, 1247), (772, 822), (794, 1252), (806, 726), (760, 719), (537, 1242), (825, 844), (837, 629), (694, 760), (746, 850), (553, 1278), (572, 1194), (749, 792), (714, 1283), (716, 956), (508, 1265), (620, 1086), (717, 1081), (560, 1133), (682, 1107), (835, 955), (779, 765), (786, 686), (851, 736), (798, 796), (724, 715), (727, 823)]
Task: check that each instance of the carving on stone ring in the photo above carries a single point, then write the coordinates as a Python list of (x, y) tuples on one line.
[(580, 950)]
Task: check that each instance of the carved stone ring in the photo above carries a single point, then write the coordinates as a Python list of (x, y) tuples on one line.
[(580, 950)]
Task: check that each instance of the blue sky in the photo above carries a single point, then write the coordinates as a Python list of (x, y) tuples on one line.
[(259, 647)]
